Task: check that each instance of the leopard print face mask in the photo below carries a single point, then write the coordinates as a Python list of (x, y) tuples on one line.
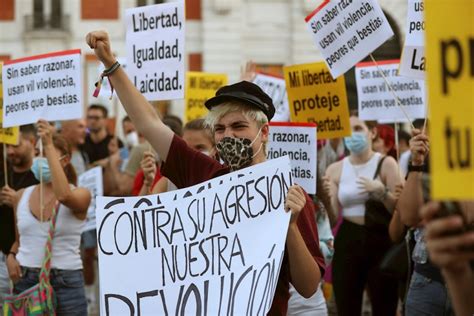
[(237, 153)]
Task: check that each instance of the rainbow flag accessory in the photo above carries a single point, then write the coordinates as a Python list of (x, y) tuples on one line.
[(39, 300)]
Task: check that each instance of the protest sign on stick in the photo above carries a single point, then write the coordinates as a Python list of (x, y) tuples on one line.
[(298, 141), (276, 89), (315, 97), (450, 73), (201, 86), (91, 180), (10, 135), (1, 93), (194, 251), (412, 62), (155, 50), (7, 135), (376, 102), (345, 32), (45, 86)]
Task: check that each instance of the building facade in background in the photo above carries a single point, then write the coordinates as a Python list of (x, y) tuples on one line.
[(221, 35)]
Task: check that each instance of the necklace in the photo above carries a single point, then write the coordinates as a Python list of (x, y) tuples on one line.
[(358, 167), (44, 206)]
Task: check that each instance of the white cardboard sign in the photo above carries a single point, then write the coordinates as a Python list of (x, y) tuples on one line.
[(194, 251), (276, 88), (92, 181), (413, 56), (298, 142), (376, 102), (155, 50), (47, 86), (345, 32)]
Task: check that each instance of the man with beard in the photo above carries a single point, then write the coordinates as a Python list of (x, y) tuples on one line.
[(19, 175), (97, 141)]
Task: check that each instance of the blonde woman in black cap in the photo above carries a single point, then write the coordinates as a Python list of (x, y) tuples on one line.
[(238, 118)]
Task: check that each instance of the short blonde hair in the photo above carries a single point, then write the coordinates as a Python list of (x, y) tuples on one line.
[(251, 113), (218, 112)]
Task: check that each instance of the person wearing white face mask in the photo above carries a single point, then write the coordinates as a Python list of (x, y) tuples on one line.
[(358, 248), (238, 118), (131, 136), (33, 224)]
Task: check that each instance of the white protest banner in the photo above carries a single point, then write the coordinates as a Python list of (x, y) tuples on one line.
[(195, 251), (298, 141), (275, 87), (44, 86), (155, 50), (412, 62), (91, 180), (376, 102), (345, 32)]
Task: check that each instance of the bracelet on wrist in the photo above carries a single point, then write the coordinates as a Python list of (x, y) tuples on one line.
[(415, 168), (106, 73), (109, 71)]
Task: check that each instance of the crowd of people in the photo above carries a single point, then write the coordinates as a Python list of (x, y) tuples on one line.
[(372, 205)]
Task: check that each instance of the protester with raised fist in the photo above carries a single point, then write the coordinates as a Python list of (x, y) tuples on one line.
[(238, 116)]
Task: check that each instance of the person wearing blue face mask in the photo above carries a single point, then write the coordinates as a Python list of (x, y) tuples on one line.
[(33, 222), (358, 249)]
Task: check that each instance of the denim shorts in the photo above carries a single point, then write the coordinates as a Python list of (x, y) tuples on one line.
[(427, 297), (68, 286), (4, 280)]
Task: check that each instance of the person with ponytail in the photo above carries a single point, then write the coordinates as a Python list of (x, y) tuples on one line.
[(358, 249), (33, 215)]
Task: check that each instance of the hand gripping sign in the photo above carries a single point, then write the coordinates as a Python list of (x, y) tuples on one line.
[(203, 250)]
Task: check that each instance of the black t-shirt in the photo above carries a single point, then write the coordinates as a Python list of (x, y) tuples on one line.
[(16, 181), (98, 151)]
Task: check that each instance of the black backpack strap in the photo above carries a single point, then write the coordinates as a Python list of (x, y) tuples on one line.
[(379, 166)]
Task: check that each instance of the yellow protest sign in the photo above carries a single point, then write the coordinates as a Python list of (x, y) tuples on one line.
[(200, 86), (450, 60), (315, 97), (7, 135), (10, 135), (1, 93)]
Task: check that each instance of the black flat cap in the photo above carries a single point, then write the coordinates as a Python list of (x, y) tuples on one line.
[(246, 92)]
